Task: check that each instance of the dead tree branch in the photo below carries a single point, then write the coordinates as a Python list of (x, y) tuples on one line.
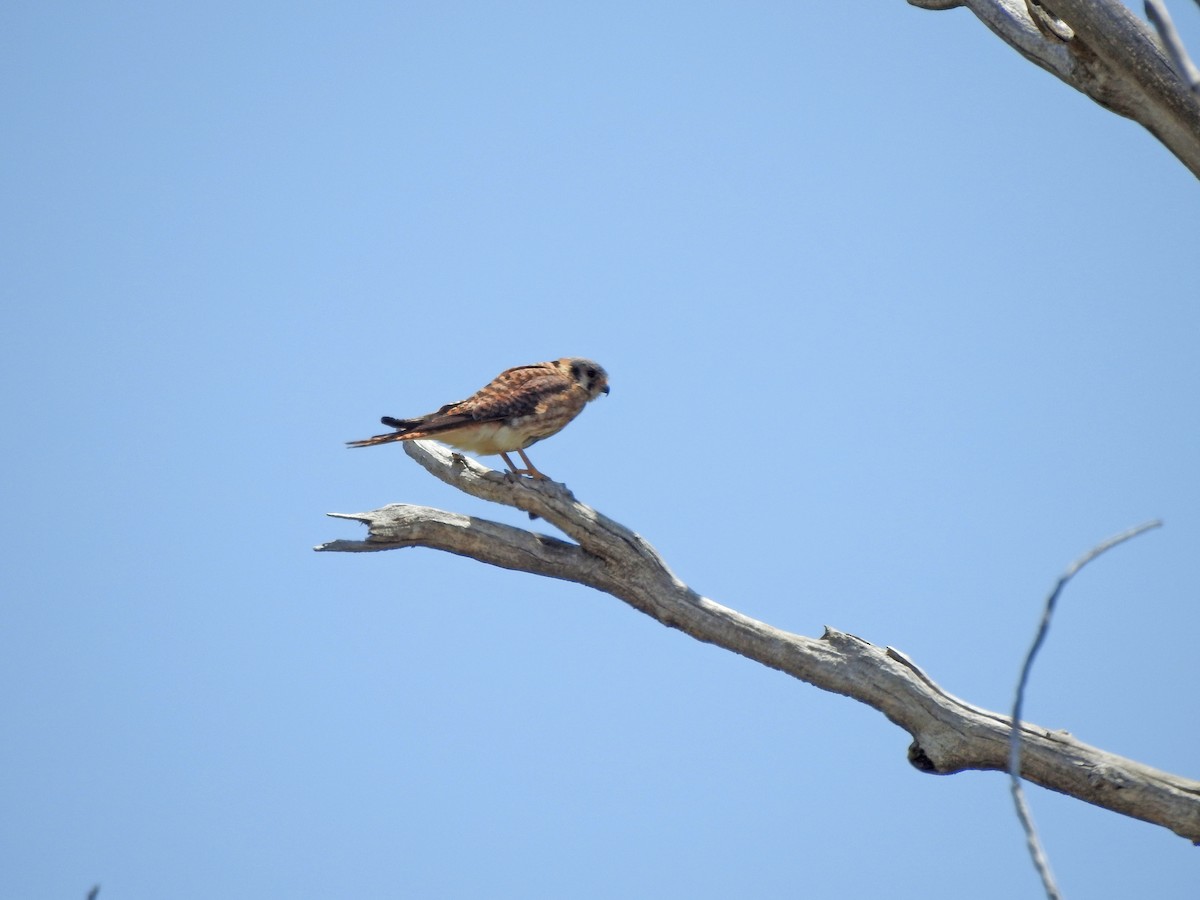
[(949, 735), (1160, 18), (1101, 49)]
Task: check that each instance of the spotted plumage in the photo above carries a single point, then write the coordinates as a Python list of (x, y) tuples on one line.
[(520, 407)]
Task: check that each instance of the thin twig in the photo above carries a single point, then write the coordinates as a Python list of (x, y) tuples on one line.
[(1014, 751), (1156, 12)]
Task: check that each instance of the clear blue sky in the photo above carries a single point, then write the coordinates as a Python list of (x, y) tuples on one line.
[(897, 327)]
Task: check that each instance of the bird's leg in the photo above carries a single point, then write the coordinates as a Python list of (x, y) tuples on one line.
[(514, 472), (530, 468)]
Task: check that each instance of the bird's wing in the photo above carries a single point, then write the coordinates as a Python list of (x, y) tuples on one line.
[(514, 393)]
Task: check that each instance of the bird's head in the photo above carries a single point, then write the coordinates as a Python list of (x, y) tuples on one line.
[(587, 374)]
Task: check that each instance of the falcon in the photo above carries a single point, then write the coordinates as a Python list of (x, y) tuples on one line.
[(518, 408)]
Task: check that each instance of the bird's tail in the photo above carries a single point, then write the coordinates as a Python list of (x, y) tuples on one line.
[(377, 439), (403, 426)]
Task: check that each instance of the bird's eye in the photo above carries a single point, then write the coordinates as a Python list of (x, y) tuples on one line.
[(591, 374)]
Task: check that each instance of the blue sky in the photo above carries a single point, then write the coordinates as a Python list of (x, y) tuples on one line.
[(897, 326)]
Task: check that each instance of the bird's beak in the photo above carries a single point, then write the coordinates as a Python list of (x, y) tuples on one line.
[(606, 390)]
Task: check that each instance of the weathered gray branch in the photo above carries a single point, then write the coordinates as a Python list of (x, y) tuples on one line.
[(1160, 18), (949, 735), (1100, 48)]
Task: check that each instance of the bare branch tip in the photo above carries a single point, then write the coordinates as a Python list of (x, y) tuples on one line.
[(1106, 545), (356, 517), (936, 5)]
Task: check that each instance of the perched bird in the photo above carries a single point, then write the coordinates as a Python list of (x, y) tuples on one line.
[(520, 407)]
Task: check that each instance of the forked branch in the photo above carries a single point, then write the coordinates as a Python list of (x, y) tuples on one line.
[(948, 734)]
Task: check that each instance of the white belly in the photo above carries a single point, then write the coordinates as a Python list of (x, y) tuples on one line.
[(487, 439)]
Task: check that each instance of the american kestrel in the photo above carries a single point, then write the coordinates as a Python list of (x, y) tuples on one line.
[(520, 407)]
